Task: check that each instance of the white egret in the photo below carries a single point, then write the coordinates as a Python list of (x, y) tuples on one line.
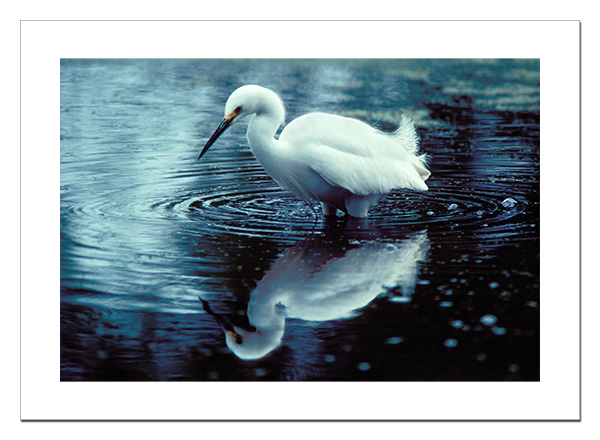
[(341, 162)]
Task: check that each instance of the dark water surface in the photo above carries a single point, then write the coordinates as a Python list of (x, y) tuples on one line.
[(441, 285)]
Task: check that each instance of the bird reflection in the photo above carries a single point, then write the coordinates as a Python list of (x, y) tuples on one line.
[(323, 278)]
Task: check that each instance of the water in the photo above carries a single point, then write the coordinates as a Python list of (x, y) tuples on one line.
[(441, 285)]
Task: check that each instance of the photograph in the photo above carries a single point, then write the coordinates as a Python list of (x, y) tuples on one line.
[(251, 222), (300, 219)]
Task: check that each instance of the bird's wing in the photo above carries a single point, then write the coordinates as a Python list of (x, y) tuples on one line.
[(364, 175), (355, 156)]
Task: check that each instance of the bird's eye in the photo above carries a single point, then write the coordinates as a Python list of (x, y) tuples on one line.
[(238, 110)]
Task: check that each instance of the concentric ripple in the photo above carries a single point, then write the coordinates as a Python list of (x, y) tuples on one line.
[(260, 207), (443, 204), (247, 209)]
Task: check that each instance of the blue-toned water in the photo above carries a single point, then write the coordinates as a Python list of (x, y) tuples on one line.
[(440, 285)]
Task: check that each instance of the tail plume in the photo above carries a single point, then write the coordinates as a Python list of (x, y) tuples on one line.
[(406, 134)]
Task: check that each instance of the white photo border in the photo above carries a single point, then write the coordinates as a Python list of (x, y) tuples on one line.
[(555, 397)]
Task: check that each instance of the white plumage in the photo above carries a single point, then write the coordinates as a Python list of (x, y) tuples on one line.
[(341, 162), (312, 282)]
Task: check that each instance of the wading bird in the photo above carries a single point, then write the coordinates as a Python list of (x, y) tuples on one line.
[(341, 162)]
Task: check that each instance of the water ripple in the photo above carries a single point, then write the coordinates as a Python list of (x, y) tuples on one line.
[(253, 204)]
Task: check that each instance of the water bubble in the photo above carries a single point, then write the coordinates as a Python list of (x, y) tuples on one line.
[(452, 207), (329, 358), (399, 299), (457, 323), (446, 304), (493, 285), (499, 331), (481, 357), (364, 366), (531, 304), (513, 368), (395, 340), (450, 343), (430, 213), (423, 282), (260, 372), (488, 319), (509, 203)]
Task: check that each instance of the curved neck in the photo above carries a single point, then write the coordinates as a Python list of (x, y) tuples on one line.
[(260, 134)]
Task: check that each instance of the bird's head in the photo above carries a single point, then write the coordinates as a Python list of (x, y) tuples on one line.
[(248, 100), (247, 343)]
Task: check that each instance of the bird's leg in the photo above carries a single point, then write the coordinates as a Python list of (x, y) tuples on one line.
[(328, 210)]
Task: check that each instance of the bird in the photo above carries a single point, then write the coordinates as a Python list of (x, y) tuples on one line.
[(322, 279), (343, 163)]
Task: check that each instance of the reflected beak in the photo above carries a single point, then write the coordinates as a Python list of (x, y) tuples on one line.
[(220, 129), (238, 338), (222, 321)]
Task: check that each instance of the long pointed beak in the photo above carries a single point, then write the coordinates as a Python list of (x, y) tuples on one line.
[(218, 132), (223, 323)]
